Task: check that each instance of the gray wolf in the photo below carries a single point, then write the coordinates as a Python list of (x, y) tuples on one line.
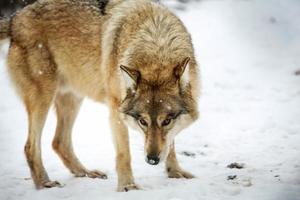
[(135, 56)]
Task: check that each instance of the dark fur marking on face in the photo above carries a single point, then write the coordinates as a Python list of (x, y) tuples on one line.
[(135, 115), (176, 115)]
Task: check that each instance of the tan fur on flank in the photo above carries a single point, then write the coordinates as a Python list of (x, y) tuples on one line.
[(133, 55)]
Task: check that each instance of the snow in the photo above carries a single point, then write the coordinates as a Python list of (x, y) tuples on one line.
[(249, 53)]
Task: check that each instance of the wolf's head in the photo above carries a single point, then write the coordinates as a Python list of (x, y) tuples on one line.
[(158, 109)]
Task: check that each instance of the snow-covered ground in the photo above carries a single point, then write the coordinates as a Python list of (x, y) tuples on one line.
[(250, 113)]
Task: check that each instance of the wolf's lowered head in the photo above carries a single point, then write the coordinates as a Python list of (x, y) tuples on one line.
[(158, 109)]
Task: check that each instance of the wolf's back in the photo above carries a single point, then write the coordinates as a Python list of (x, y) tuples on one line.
[(4, 28)]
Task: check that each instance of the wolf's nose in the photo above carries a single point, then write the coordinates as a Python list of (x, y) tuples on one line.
[(152, 160)]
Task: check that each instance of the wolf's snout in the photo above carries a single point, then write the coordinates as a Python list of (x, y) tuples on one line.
[(152, 160)]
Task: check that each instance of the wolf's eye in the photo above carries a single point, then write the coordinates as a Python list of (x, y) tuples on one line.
[(143, 122), (166, 122)]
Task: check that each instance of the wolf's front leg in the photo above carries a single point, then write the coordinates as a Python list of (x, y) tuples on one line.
[(173, 168), (123, 159)]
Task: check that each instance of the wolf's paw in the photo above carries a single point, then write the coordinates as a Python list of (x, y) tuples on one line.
[(50, 184), (128, 187), (179, 173), (91, 174)]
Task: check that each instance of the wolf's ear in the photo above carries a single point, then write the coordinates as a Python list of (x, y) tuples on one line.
[(181, 71), (131, 76)]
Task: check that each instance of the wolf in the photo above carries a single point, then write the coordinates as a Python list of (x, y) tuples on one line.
[(135, 56)]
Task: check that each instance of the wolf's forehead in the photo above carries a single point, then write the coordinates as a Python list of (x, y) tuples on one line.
[(161, 105), (155, 105)]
